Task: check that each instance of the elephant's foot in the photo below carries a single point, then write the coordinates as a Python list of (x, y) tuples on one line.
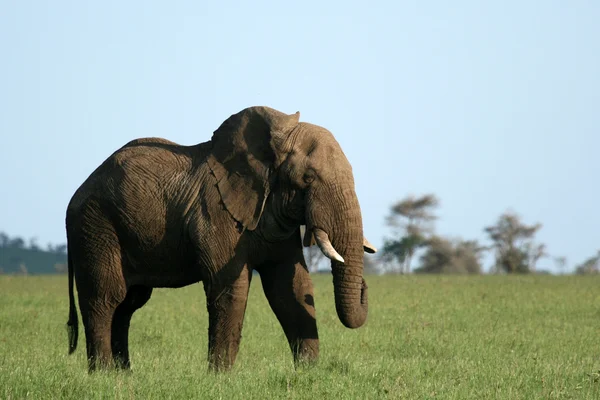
[(220, 364), (305, 352), (122, 362), (98, 364)]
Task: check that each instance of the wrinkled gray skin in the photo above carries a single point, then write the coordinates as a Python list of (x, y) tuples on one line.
[(157, 214)]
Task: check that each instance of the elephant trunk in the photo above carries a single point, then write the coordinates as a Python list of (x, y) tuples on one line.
[(343, 245), (350, 288)]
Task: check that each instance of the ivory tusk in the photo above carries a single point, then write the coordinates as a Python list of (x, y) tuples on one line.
[(368, 247), (326, 246)]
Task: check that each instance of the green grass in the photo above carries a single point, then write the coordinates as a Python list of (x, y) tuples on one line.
[(490, 337)]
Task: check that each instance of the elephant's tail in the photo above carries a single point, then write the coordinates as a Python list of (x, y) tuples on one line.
[(72, 323)]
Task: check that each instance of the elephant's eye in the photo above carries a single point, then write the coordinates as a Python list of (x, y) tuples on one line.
[(308, 176)]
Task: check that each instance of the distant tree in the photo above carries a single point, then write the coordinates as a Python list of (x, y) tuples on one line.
[(590, 266), (398, 254), (468, 254), (512, 240), (412, 221), (443, 256), (534, 252), (4, 240), (17, 243)]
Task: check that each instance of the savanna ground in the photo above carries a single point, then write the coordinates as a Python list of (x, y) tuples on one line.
[(521, 337)]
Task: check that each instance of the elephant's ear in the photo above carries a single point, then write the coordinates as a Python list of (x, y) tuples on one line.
[(245, 149)]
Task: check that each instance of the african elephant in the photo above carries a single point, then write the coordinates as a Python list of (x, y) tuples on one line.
[(158, 214)]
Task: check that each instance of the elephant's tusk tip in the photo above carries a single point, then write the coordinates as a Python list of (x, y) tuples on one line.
[(368, 247)]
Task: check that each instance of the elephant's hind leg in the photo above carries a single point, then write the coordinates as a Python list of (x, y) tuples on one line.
[(97, 312), (136, 297), (101, 288)]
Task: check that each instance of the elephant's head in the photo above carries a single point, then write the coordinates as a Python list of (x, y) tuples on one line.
[(262, 156)]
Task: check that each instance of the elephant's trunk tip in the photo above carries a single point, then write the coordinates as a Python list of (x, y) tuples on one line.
[(358, 316)]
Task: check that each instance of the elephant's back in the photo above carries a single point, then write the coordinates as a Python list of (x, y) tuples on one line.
[(150, 141), (143, 171)]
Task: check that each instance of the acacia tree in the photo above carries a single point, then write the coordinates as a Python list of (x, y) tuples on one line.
[(412, 221), (513, 241)]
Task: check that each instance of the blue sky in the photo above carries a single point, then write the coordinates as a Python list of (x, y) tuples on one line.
[(489, 105)]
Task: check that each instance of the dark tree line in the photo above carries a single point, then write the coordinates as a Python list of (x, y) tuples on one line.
[(7, 242)]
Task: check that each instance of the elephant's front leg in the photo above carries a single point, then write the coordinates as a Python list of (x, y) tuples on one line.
[(289, 290), (226, 302)]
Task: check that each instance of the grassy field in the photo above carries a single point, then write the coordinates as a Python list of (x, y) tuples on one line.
[(524, 337)]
